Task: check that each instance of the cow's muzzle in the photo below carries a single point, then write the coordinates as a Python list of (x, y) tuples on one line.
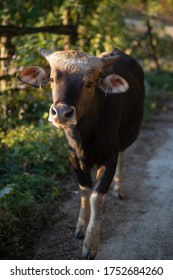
[(62, 115)]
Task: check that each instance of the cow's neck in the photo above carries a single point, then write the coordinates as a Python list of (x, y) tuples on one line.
[(79, 136), (76, 145), (73, 137)]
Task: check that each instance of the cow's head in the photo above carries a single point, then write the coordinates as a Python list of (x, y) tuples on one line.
[(73, 76)]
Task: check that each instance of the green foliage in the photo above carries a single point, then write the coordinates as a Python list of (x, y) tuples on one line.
[(100, 26), (29, 148), (25, 12), (20, 106), (32, 163), (158, 91), (104, 24), (159, 83)]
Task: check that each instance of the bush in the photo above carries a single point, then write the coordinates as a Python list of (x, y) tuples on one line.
[(158, 91), (32, 164)]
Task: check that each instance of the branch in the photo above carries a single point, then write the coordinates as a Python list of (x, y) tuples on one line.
[(6, 77), (11, 30), (153, 48)]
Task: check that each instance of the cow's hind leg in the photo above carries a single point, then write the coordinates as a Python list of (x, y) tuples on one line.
[(118, 180)]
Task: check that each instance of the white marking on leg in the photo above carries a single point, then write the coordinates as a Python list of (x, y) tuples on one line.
[(84, 213), (92, 238)]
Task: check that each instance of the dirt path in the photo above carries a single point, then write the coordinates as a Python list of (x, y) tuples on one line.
[(141, 226)]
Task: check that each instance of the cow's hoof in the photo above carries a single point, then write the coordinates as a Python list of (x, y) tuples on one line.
[(88, 255), (91, 242), (79, 232), (79, 235), (121, 196), (118, 195)]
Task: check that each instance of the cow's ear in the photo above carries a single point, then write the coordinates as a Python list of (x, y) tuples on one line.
[(35, 76), (113, 84)]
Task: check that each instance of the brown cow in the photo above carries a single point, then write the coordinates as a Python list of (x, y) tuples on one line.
[(99, 104)]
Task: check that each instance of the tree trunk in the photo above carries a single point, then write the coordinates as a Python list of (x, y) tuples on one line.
[(7, 50), (152, 46), (70, 39)]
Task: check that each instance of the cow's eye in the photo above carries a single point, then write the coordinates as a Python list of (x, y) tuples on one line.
[(89, 84), (52, 80)]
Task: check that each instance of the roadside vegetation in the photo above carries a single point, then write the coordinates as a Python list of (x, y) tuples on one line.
[(159, 91), (34, 163)]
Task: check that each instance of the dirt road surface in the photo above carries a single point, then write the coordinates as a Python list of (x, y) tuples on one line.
[(139, 227)]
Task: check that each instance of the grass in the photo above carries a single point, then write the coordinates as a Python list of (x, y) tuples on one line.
[(159, 90), (33, 161)]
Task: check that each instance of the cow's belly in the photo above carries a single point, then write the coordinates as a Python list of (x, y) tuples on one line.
[(128, 139), (129, 133)]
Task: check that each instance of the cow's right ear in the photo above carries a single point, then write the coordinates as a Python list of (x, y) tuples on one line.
[(35, 76)]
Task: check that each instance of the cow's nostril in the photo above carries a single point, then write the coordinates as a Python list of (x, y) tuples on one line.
[(62, 113), (53, 111), (69, 114)]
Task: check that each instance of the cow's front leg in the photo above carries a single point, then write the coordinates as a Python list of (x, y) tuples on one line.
[(84, 213), (85, 186), (92, 237), (105, 175)]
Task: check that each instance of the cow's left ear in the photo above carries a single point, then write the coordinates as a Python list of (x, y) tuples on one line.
[(113, 84)]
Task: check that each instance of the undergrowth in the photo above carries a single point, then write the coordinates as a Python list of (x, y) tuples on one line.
[(33, 161), (159, 91)]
